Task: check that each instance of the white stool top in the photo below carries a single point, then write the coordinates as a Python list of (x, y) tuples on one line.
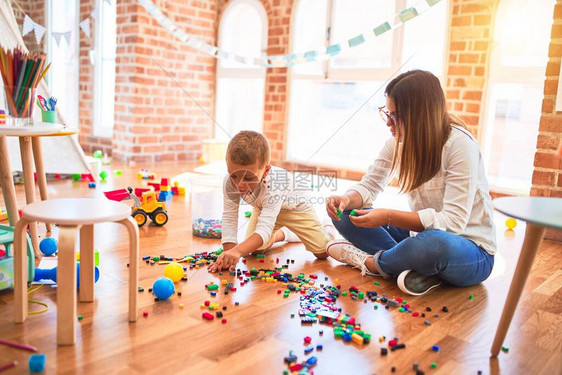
[(73, 211)]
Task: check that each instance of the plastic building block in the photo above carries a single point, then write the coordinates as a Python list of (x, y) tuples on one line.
[(505, 349), (308, 350), (435, 348), (223, 321), (37, 362), (80, 317), (384, 351), (91, 185), (445, 309), (311, 362), (399, 346), (208, 316), (307, 339)]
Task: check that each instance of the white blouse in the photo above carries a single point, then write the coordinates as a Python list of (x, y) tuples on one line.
[(456, 199)]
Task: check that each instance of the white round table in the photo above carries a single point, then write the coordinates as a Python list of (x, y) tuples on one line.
[(539, 213)]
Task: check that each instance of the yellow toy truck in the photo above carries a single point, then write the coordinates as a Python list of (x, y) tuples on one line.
[(147, 207)]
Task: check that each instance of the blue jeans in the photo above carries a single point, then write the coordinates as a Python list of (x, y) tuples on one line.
[(455, 259)]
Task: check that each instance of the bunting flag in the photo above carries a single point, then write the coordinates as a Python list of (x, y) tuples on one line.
[(28, 25), (67, 37), (277, 61), (57, 37), (39, 32), (85, 26)]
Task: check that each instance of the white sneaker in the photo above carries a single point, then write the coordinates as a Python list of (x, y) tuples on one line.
[(289, 236), (417, 284), (346, 252)]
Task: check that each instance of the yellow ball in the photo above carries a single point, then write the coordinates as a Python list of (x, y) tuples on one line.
[(174, 271), (511, 223)]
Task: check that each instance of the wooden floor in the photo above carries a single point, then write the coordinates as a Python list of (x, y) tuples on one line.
[(260, 332)]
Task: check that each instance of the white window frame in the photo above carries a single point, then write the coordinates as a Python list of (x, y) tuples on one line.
[(75, 39), (331, 74), (97, 129), (248, 72), (503, 75)]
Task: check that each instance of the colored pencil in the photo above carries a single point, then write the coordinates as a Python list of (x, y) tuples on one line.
[(18, 346), (8, 365), (21, 72)]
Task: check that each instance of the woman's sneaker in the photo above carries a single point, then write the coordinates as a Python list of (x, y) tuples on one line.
[(416, 284), (346, 252)]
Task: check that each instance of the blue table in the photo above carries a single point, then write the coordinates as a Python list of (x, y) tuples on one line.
[(539, 213)]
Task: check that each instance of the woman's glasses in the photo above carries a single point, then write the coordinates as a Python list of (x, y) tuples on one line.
[(387, 116)]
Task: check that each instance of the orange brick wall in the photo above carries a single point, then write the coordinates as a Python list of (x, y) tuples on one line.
[(547, 177), (470, 40), (154, 119)]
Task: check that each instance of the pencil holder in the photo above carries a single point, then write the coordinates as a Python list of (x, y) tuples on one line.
[(19, 101), (49, 116)]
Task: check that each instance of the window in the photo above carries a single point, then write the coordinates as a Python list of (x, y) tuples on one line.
[(62, 77), (241, 87), (515, 93), (333, 115), (104, 69)]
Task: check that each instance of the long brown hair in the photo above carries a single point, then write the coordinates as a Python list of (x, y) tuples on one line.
[(423, 126)]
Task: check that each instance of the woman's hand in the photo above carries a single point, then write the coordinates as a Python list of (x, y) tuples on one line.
[(370, 218), (335, 203), (227, 260)]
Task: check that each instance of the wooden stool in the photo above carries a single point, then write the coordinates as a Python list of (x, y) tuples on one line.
[(73, 214)]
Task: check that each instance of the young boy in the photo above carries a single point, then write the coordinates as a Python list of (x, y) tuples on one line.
[(281, 212)]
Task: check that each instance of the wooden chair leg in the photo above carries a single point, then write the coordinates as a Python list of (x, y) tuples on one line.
[(66, 286), (29, 186), (133, 230), (20, 271), (87, 271), (40, 169), (531, 243), (7, 183)]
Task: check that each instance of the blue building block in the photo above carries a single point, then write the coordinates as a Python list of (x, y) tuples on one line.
[(37, 362), (91, 185), (164, 196), (311, 362)]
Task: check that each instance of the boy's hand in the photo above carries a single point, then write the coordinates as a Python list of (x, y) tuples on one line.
[(336, 203), (228, 259)]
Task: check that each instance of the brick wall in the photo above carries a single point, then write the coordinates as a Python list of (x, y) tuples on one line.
[(470, 37), (154, 119), (547, 177)]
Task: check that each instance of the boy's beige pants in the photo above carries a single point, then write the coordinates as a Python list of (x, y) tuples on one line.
[(304, 224)]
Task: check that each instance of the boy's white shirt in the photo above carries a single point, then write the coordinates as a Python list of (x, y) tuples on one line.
[(456, 199), (278, 192)]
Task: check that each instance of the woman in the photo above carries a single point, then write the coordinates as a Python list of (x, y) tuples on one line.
[(438, 164)]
